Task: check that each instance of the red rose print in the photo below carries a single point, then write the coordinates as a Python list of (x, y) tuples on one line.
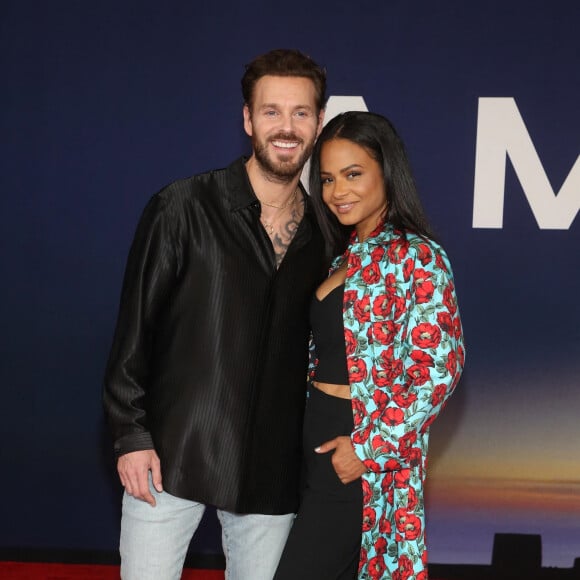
[(393, 417), (383, 446), (408, 269), (393, 366), (385, 331), (372, 465), (400, 518), (354, 265), (376, 567), (414, 456), (408, 524), (403, 397), (449, 299), (407, 441), (424, 292), (381, 399), (360, 436), (349, 298), (422, 275), (412, 500), (370, 334), (405, 564), (381, 377), (369, 519), (386, 357), (458, 329), (399, 307), (362, 309), (426, 335), (398, 250), (377, 254), (422, 576), (418, 374), (425, 255), (461, 355), (428, 423), (392, 465), (387, 482), (440, 262), (385, 526), (451, 363), (367, 491), (350, 341), (404, 568), (359, 411), (380, 546), (382, 306), (438, 394), (390, 284), (402, 478), (357, 369), (422, 358), (396, 368), (363, 558), (413, 527), (445, 321), (380, 227), (371, 274)]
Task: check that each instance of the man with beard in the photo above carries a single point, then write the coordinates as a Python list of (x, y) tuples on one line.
[(205, 384)]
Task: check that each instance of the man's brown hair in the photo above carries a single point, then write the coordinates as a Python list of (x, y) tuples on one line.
[(284, 62)]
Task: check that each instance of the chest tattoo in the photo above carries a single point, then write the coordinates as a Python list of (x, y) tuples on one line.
[(285, 230)]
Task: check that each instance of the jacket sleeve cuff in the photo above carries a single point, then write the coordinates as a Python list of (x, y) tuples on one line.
[(133, 442)]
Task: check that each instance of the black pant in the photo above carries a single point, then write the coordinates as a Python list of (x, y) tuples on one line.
[(324, 542)]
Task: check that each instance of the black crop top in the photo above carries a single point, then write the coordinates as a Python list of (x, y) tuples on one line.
[(328, 332)]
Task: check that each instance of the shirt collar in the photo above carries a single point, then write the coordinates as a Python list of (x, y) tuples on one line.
[(239, 190), (381, 234)]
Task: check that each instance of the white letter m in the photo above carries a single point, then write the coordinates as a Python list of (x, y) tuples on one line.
[(500, 132)]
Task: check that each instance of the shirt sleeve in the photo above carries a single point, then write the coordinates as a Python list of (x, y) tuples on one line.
[(415, 358), (150, 274)]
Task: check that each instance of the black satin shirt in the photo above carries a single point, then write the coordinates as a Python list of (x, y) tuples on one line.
[(208, 363)]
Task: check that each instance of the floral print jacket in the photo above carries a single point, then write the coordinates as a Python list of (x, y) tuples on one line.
[(404, 347)]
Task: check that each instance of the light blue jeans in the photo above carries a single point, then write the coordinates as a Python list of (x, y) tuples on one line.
[(154, 540)]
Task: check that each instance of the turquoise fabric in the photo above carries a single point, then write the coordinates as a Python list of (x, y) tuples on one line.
[(405, 354)]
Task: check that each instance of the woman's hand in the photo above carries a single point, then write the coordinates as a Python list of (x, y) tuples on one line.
[(347, 465)]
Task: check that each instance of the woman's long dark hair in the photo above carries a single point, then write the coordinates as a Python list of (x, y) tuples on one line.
[(379, 138)]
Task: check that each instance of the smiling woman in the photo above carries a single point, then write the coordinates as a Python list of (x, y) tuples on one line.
[(353, 187), (387, 353)]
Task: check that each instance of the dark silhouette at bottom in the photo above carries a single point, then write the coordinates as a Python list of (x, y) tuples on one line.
[(514, 557)]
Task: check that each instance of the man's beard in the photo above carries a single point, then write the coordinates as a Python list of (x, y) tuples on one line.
[(279, 170)]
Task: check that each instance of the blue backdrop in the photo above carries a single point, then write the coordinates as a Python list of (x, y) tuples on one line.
[(103, 103)]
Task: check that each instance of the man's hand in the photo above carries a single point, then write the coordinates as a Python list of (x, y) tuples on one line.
[(134, 470), (347, 465)]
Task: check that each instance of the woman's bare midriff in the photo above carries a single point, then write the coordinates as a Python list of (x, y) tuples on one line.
[(341, 391)]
